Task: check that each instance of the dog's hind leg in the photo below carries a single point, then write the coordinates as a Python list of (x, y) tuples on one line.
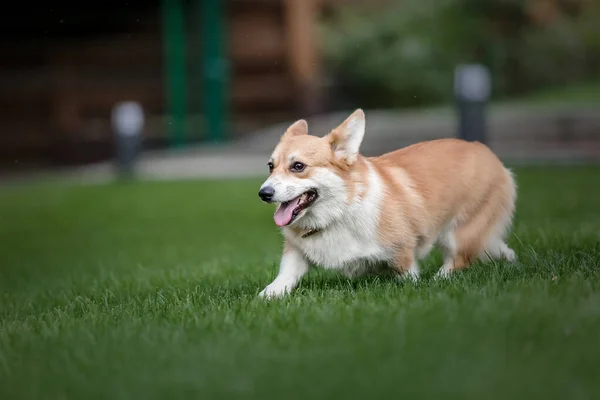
[(480, 236), (447, 241), (497, 249)]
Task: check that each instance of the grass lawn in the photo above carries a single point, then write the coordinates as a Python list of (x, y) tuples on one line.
[(148, 290)]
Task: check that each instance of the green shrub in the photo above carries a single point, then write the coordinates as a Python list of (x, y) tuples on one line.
[(405, 54)]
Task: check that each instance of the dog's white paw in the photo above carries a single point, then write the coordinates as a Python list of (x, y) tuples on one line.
[(409, 276), (412, 274), (443, 273), (274, 290), (510, 255)]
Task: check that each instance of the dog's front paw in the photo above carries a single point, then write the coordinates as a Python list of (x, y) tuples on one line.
[(273, 291)]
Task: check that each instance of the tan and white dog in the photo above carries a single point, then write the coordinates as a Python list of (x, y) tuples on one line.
[(340, 210)]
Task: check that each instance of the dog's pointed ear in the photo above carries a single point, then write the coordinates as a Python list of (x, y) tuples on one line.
[(298, 128), (345, 140)]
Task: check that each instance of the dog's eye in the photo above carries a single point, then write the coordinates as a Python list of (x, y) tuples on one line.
[(298, 167), (270, 165)]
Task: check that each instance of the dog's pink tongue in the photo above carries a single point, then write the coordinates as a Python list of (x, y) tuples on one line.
[(283, 215)]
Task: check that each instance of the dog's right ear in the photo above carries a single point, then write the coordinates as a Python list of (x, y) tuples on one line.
[(345, 140), (298, 128)]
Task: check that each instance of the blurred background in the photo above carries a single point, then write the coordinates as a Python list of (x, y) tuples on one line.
[(219, 80)]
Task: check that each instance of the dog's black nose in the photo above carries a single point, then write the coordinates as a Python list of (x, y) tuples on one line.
[(266, 193)]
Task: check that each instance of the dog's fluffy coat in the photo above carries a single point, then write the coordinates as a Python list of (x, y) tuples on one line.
[(390, 209)]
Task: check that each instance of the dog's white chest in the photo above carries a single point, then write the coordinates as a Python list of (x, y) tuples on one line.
[(343, 249)]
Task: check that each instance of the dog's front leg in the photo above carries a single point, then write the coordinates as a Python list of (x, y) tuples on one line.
[(292, 268)]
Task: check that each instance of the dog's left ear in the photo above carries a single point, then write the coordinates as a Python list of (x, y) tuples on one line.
[(345, 140)]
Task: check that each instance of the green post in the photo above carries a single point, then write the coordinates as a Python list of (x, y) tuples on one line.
[(175, 62), (214, 69)]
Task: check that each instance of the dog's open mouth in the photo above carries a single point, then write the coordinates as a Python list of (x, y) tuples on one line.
[(288, 211)]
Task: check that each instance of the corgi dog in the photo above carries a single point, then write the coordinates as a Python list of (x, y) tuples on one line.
[(340, 210)]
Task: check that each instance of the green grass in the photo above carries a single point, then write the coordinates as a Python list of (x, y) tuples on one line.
[(148, 290)]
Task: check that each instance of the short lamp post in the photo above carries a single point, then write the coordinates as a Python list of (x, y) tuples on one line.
[(472, 89), (127, 121)]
